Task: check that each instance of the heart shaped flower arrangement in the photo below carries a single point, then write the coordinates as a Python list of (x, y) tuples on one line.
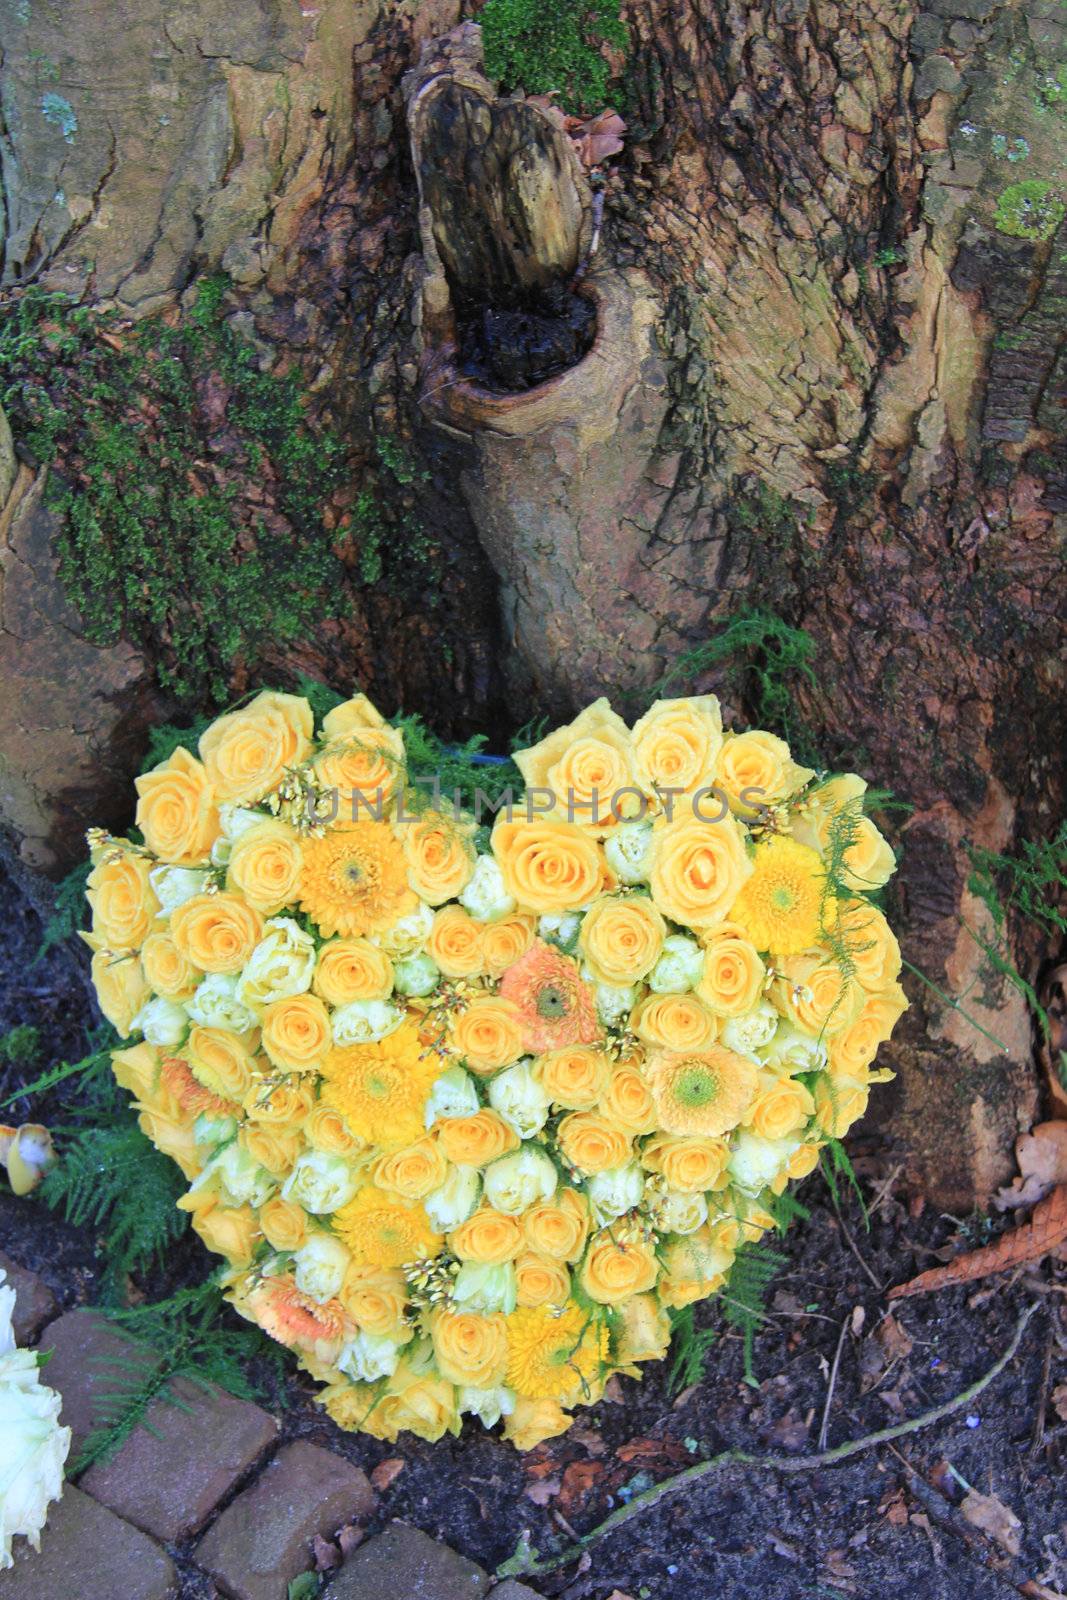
[(473, 1094)]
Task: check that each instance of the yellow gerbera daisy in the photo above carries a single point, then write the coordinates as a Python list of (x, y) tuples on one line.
[(354, 880), (382, 1230), (780, 904), (554, 1355), (381, 1089), (704, 1092)]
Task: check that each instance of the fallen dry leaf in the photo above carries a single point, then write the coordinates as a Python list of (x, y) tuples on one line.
[(578, 1480), (993, 1517), (1054, 1000), (1033, 1239), (327, 1555), (387, 1472), (541, 1492), (1059, 1401), (1042, 1158)]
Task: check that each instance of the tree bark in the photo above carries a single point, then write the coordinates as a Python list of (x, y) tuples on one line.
[(826, 382)]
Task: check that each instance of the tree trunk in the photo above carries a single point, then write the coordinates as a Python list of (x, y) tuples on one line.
[(827, 381)]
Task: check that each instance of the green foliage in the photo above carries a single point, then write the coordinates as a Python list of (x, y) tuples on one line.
[(152, 546), (689, 1350), (835, 1165), (767, 657), (180, 1337), (166, 737), (92, 1070), (20, 1044), (1029, 210), (542, 47), (744, 1297), (1033, 885), (69, 909), (462, 770), (304, 1587)]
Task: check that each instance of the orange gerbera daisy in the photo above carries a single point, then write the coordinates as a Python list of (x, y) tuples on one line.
[(297, 1321), (354, 880), (177, 1078), (555, 1007)]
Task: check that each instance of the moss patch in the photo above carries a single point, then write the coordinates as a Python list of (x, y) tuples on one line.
[(542, 47), (193, 490), (1029, 210)]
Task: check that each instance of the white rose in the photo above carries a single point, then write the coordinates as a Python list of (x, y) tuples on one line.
[(560, 928), (752, 1033), (520, 1099), (215, 1004), (33, 1447), (213, 1130), (319, 1266), (454, 1200), (681, 1213), (243, 1179), (613, 1003), (173, 886), (520, 1180), (452, 1095), (320, 1183), (791, 1051), (627, 850), (679, 967), (163, 1022), (488, 1405), (616, 1191), (416, 975), (485, 896), (235, 820), (282, 964), (482, 1287), (368, 1357), (754, 1162), (365, 1021), (407, 936)]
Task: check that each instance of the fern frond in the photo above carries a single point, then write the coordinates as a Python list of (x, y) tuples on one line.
[(689, 1350), (786, 1209), (92, 1069), (69, 910), (834, 1163), (744, 1297)]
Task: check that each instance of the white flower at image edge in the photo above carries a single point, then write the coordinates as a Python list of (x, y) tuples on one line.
[(33, 1447)]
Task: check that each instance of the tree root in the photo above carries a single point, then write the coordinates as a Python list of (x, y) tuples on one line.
[(526, 1563)]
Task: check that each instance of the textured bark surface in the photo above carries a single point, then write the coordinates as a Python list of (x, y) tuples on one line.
[(833, 387)]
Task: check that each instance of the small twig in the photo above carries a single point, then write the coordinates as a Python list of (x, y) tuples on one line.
[(882, 1189), (525, 1563), (853, 1246), (832, 1385), (1038, 1436)]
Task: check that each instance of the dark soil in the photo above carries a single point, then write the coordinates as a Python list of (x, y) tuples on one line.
[(883, 1524)]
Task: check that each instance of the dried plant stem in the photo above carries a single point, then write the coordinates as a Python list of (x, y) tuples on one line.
[(525, 1563)]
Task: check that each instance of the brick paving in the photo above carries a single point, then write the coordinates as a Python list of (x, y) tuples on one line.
[(203, 1466)]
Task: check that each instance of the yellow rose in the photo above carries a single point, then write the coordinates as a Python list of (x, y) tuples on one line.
[(759, 763), (229, 1231), (166, 969), (839, 1102), (284, 1225), (782, 1107), (732, 980), (470, 1350), (673, 1022), (216, 932), (533, 1421), (574, 1076), (589, 767), (171, 1131), (264, 865), (177, 810), (296, 1033), (276, 1149), (802, 1161), (690, 1165), (855, 1047), (375, 1300), (489, 1237), (627, 1101), (120, 987), (284, 1104), (540, 1281), (455, 943), (614, 1270), (122, 899), (423, 1405), (246, 752), (591, 1143), (833, 814), (475, 1140), (621, 938), (487, 1035), (695, 1266), (697, 868), (364, 766), (504, 941), (645, 1332), (814, 993), (439, 856), (549, 866), (870, 941), (413, 1171), (676, 744), (136, 1069), (557, 1227), (325, 1130), (220, 1061), (352, 969), (351, 715)]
